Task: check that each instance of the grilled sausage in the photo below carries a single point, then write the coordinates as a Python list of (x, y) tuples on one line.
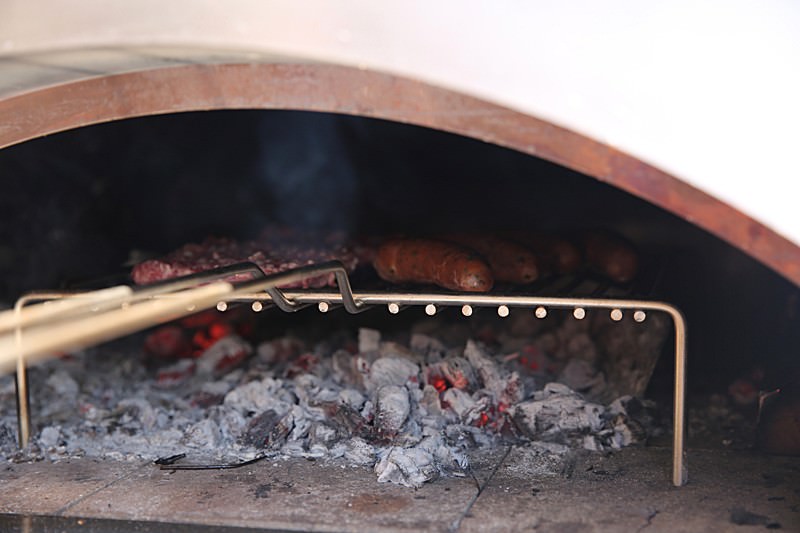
[(611, 255), (509, 261), (556, 255), (429, 261)]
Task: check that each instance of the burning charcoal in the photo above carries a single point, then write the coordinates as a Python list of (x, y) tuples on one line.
[(446, 457), (259, 429), (592, 443), (303, 364), (351, 398), (176, 374), (369, 408), (49, 437), (582, 376), (355, 450), (204, 399), (395, 349), (487, 370), (322, 433), (392, 409), (643, 410), (301, 424), (532, 360), (431, 349), (505, 389), (211, 393), (463, 436), (462, 404), (137, 409), (557, 413), (456, 372), (258, 396), (224, 355), (269, 429), (204, 434), (230, 422), (63, 385), (349, 369), (633, 421), (344, 371), (359, 452), (410, 467), (539, 459), (369, 340), (346, 420), (168, 342), (279, 351), (391, 371), (430, 402)]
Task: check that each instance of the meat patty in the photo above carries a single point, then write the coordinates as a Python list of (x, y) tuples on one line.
[(271, 252)]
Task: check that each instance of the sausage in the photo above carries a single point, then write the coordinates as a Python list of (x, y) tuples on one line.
[(509, 261), (611, 255), (430, 261), (556, 255)]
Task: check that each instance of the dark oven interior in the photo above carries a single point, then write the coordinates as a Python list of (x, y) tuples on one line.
[(80, 206)]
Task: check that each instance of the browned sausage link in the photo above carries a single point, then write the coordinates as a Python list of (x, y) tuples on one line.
[(610, 255), (555, 254), (509, 261), (429, 261)]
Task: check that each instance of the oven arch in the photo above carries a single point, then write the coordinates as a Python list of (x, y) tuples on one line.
[(44, 110)]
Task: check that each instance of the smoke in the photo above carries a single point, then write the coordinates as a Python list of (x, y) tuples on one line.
[(306, 165)]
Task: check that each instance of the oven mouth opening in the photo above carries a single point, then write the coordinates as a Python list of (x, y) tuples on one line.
[(660, 235)]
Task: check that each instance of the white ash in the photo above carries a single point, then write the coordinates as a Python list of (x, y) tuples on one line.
[(582, 376), (396, 371), (63, 384), (412, 412), (538, 459), (356, 450), (259, 396), (224, 349), (369, 340), (49, 436), (392, 409), (559, 414)]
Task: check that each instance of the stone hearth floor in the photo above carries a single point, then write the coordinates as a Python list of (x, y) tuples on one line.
[(628, 490)]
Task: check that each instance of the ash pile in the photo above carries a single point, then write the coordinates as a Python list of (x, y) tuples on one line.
[(411, 406)]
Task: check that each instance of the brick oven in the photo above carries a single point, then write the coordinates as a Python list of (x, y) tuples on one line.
[(123, 139)]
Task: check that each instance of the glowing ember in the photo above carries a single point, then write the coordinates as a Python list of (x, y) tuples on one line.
[(440, 384)]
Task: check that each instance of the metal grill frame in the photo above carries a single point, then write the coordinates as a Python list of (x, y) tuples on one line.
[(80, 308)]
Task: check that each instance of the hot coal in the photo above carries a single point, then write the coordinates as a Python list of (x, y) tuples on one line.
[(411, 407)]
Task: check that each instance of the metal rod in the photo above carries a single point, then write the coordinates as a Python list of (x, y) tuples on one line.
[(680, 470), (23, 404)]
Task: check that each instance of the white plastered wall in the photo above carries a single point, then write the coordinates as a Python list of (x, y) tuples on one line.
[(707, 91)]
